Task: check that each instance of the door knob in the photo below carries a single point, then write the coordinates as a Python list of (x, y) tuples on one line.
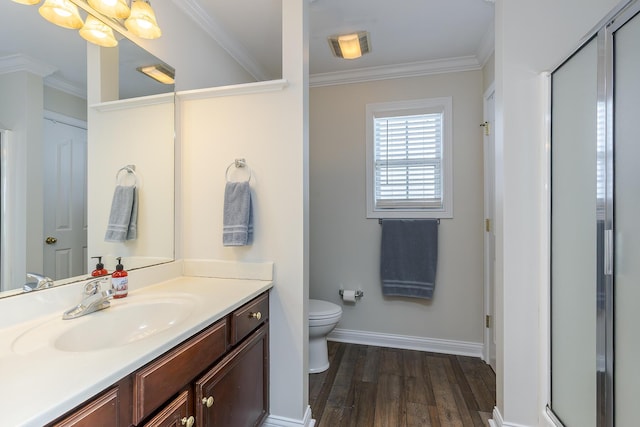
[(257, 315), (50, 240), (189, 422)]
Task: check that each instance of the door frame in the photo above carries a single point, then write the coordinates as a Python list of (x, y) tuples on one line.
[(489, 345)]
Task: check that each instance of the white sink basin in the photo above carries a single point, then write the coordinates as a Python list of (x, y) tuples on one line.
[(123, 323)]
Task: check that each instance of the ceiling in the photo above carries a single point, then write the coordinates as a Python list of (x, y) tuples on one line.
[(418, 35), (408, 37)]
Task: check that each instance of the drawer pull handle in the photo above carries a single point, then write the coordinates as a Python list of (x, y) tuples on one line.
[(189, 422), (208, 401), (257, 315)]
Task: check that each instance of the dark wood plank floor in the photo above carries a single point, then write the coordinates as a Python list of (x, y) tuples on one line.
[(368, 386)]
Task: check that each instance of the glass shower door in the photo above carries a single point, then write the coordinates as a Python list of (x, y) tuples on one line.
[(574, 238), (627, 221)]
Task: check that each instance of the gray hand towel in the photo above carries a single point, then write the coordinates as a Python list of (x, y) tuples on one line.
[(409, 256), (123, 217), (237, 227)]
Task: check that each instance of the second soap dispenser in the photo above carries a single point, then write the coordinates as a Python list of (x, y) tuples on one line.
[(119, 280), (100, 270)]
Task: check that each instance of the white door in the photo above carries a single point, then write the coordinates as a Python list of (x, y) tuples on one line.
[(65, 195), (489, 235)]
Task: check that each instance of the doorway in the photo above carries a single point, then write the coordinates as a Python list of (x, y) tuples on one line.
[(65, 197)]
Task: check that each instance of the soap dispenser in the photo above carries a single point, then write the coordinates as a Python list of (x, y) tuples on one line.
[(119, 280), (100, 270)]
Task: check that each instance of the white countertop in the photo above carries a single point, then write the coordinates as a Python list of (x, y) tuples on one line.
[(38, 383)]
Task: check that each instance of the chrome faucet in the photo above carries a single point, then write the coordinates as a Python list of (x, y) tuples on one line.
[(93, 299), (41, 282)]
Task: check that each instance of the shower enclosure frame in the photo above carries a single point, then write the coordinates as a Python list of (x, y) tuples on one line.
[(603, 34)]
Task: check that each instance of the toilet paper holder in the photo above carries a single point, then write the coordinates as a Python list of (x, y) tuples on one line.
[(359, 293)]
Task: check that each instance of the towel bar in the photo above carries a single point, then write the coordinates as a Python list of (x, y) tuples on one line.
[(380, 220), (129, 169), (238, 163)]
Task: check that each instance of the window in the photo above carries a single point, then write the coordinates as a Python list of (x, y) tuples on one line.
[(409, 161)]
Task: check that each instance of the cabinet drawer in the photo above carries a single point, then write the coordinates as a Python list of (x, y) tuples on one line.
[(157, 382), (248, 317), (102, 411)]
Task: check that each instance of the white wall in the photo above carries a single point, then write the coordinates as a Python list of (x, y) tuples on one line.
[(146, 140), (64, 103), (345, 246), (530, 38), (269, 130)]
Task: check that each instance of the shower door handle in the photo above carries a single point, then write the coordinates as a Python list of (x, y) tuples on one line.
[(608, 252)]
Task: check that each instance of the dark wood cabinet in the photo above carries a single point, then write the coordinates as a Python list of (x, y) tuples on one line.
[(234, 393), (218, 377), (176, 414), (154, 384), (101, 411)]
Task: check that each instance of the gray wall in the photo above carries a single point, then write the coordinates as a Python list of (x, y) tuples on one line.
[(345, 246)]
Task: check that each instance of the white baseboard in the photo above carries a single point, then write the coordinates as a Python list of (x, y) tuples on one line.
[(498, 421), (435, 345), (276, 421)]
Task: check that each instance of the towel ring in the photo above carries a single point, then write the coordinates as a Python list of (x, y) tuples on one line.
[(238, 163), (129, 169)]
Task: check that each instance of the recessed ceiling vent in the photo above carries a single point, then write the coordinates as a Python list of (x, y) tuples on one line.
[(350, 46)]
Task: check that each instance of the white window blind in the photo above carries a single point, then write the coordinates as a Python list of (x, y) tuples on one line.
[(409, 159), (408, 162)]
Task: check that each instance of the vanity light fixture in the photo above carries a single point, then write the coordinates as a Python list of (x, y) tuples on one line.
[(159, 72), (28, 2), (62, 13), (142, 20), (97, 32), (117, 9), (350, 46)]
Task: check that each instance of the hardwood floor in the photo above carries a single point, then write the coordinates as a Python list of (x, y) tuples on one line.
[(368, 386)]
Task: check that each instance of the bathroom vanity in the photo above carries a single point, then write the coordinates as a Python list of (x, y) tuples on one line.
[(203, 361)]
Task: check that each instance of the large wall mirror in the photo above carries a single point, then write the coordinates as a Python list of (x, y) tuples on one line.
[(63, 158)]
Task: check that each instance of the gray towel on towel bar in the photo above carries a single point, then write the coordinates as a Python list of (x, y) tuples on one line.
[(123, 217), (237, 228), (409, 256)]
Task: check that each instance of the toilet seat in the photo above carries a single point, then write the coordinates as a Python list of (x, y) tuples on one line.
[(321, 310)]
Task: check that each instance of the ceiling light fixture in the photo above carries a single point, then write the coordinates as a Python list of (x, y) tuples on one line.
[(350, 46), (159, 72), (97, 32), (117, 9), (142, 21), (62, 13)]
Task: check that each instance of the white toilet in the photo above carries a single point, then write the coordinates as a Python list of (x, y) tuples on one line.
[(323, 317)]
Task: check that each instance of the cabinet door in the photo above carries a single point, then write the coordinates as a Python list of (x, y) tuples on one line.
[(234, 393), (175, 414)]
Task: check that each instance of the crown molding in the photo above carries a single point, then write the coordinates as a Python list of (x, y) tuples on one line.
[(413, 69), (65, 86), (20, 62), (212, 27), (25, 63)]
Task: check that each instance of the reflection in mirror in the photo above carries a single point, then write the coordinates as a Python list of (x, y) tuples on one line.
[(43, 105)]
